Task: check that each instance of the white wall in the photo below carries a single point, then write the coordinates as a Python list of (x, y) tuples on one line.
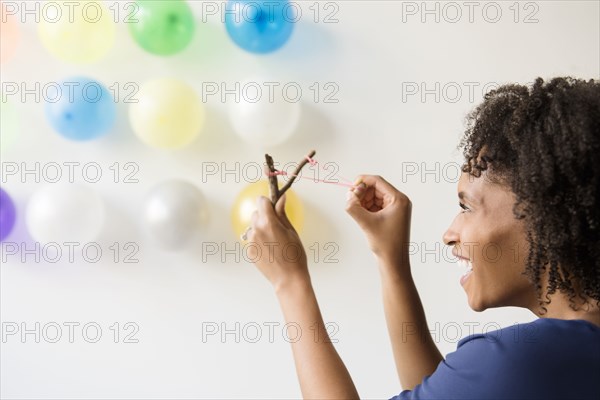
[(372, 54)]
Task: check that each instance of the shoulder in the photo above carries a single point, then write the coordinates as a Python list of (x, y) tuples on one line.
[(544, 358), (537, 335), (547, 358), (539, 346)]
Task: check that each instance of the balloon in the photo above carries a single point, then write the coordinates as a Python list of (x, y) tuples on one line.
[(245, 205), (84, 109), (7, 215), (65, 213), (173, 212), (163, 27), (9, 39), (77, 32), (9, 124), (262, 118), (259, 26), (168, 114)]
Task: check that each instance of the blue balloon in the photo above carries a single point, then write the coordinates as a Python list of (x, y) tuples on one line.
[(80, 109), (260, 26)]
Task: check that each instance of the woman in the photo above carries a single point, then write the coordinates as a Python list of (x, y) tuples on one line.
[(530, 186)]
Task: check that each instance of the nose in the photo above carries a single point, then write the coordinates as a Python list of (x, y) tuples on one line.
[(450, 237)]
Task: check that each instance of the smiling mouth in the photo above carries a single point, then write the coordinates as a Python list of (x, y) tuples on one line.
[(468, 266)]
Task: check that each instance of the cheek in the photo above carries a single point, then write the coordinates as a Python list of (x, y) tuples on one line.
[(498, 264), (496, 243)]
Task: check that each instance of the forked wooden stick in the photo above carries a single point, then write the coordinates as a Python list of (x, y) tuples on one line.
[(274, 191), (273, 185)]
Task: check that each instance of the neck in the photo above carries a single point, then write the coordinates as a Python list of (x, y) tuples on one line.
[(560, 308)]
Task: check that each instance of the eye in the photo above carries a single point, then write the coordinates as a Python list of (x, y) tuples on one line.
[(464, 207)]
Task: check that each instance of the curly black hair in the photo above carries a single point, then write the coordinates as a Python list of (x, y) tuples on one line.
[(543, 142)]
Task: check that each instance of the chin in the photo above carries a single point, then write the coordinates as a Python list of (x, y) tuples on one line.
[(478, 305)]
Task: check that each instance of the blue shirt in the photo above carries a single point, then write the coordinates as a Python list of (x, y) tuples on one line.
[(545, 359)]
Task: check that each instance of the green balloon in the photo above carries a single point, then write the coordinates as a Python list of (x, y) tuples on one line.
[(163, 27)]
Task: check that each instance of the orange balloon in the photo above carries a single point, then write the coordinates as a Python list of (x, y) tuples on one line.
[(9, 35)]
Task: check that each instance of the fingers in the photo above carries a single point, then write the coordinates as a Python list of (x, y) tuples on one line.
[(373, 180), (257, 219), (360, 190), (265, 207), (280, 211), (367, 194), (280, 205), (268, 214), (370, 201), (381, 186), (371, 194), (380, 193)]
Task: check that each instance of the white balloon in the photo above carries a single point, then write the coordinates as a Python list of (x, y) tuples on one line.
[(265, 116), (65, 213), (173, 213)]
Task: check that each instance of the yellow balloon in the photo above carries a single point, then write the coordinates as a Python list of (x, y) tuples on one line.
[(168, 114), (78, 32), (245, 205)]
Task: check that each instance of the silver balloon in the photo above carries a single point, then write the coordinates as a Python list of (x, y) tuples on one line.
[(173, 213)]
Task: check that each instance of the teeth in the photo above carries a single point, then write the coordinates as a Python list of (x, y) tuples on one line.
[(466, 264)]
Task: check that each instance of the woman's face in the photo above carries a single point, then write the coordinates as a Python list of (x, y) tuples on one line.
[(486, 233)]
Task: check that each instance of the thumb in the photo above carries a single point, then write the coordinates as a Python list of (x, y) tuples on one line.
[(280, 211), (353, 205)]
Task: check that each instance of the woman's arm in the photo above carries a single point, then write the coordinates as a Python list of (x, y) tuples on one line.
[(384, 214), (415, 353), (321, 372)]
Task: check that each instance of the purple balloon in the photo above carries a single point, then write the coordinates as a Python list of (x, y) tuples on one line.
[(7, 215)]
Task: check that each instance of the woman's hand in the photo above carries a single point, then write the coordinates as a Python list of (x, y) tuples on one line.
[(275, 247), (383, 213)]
